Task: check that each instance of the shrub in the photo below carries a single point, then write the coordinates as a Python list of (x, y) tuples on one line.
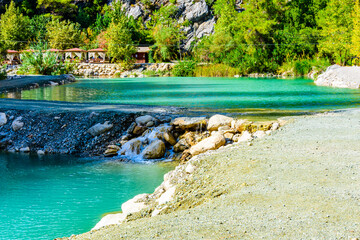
[(184, 69), (216, 70), (304, 66), (3, 74)]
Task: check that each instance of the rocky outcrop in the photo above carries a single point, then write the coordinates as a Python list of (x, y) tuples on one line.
[(340, 77)]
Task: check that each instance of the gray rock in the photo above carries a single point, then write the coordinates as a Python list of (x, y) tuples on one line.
[(3, 119), (341, 77), (24, 149), (135, 11), (144, 120), (155, 150), (99, 128), (206, 28), (197, 11), (17, 124)]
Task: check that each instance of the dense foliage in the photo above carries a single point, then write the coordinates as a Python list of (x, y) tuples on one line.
[(255, 36)]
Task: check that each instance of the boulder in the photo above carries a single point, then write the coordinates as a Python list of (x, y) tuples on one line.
[(189, 123), (245, 136), (206, 28), (167, 196), (169, 138), (181, 146), (240, 125), (236, 137), (217, 121), (17, 124), (143, 120), (341, 77), (110, 219), (131, 147), (155, 150), (259, 134), (134, 205), (3, 119), (112, 150), (138, 130), (211, 143), (196, 11), (99, 128), (135, 11)]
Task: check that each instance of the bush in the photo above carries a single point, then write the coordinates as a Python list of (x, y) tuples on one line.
[(304, 66), (184, 69), (216, 70), (3, 74)]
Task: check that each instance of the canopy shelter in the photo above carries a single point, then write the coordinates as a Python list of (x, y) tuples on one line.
[(57, 51), (13, 57), (97, 55), (75, 53)]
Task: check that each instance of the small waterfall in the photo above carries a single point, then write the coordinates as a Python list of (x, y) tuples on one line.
[(132, 149)]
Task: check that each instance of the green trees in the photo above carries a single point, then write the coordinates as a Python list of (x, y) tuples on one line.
[(63, 34), (355, 37), (14, 28)]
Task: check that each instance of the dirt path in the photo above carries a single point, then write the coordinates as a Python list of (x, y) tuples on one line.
[(302, 182)]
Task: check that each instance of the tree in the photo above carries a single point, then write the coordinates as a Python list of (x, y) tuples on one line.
[(336, 27), (355, 37), (14, 28), (63, 8), (38, 26), (63, 34)]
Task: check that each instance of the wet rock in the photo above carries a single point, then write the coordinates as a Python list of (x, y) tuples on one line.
[(4, 143), (138, 130), (3, 119), (112, 150), (131, 147), (17, 124), (181, 146), (143, 120), (189, 123), (130, 130), (99, 128), (110, 219), (245, 136), (189, 138), (155, 150), (169, 138), (24, 149), (211, 143), (217, 121), (134, 205)]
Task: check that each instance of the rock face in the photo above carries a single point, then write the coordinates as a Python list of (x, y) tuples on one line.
[(3, 119), (133, 205), (341, 77), (188, 123), (196, 11), (99, 128), (110, 219), (217, 121), (17, 124), (211, 143), (155, 150)]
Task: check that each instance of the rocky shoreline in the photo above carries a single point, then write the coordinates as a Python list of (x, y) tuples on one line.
[(18, 83)]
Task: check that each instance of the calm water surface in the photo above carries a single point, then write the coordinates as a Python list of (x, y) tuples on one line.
[(44, 198), (213, 93)]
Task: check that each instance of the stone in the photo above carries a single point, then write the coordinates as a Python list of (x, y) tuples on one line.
[(260, 126), (205, 29), (99, 128), (155, 150), (138, 130), (236, 137), (189, 123), (275, 126), (24, 149), (190, 168), (167, 196), (211, 143), (143, 120), (131, 147), (110, 219), (181, 146), (196, 11), (224, 128), (189, 138), (112, 150), (135, 11), (3, 119), (17, 124), (340, 77), (134, 205), (131, 128), (168, 137), (240, 125), (150, 124), (228, 135), (259, 134), (40, 152), (217, 121), (245, 136)]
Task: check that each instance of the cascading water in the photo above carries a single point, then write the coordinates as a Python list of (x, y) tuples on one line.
[(133, 149)]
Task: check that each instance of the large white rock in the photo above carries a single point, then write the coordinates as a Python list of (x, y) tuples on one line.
[(187, 123), (144, 120), (99, 128), (211, 143), (135, 11), (133, 205), (17, 124), (217, 121), (155, 150), (259, 134), (341, 77), (3, 119), (245, 136), (167, 196), (110, 219)]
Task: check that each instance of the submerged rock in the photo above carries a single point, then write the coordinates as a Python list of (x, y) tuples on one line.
[(17, 124), (99, 128), (3, 119), (155, 150), (211, 143), (217, 121)]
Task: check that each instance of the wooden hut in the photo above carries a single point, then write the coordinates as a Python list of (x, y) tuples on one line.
[(75, 54), (97, 55), (12, 57), (141, 55)]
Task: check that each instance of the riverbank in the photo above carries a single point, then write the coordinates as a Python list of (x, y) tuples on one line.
[(299, 182), (13, 83)]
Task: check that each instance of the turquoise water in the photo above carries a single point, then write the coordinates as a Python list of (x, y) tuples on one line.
[(203, 93), (44, 198)]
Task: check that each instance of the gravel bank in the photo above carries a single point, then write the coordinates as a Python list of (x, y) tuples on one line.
[(302, 182)]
